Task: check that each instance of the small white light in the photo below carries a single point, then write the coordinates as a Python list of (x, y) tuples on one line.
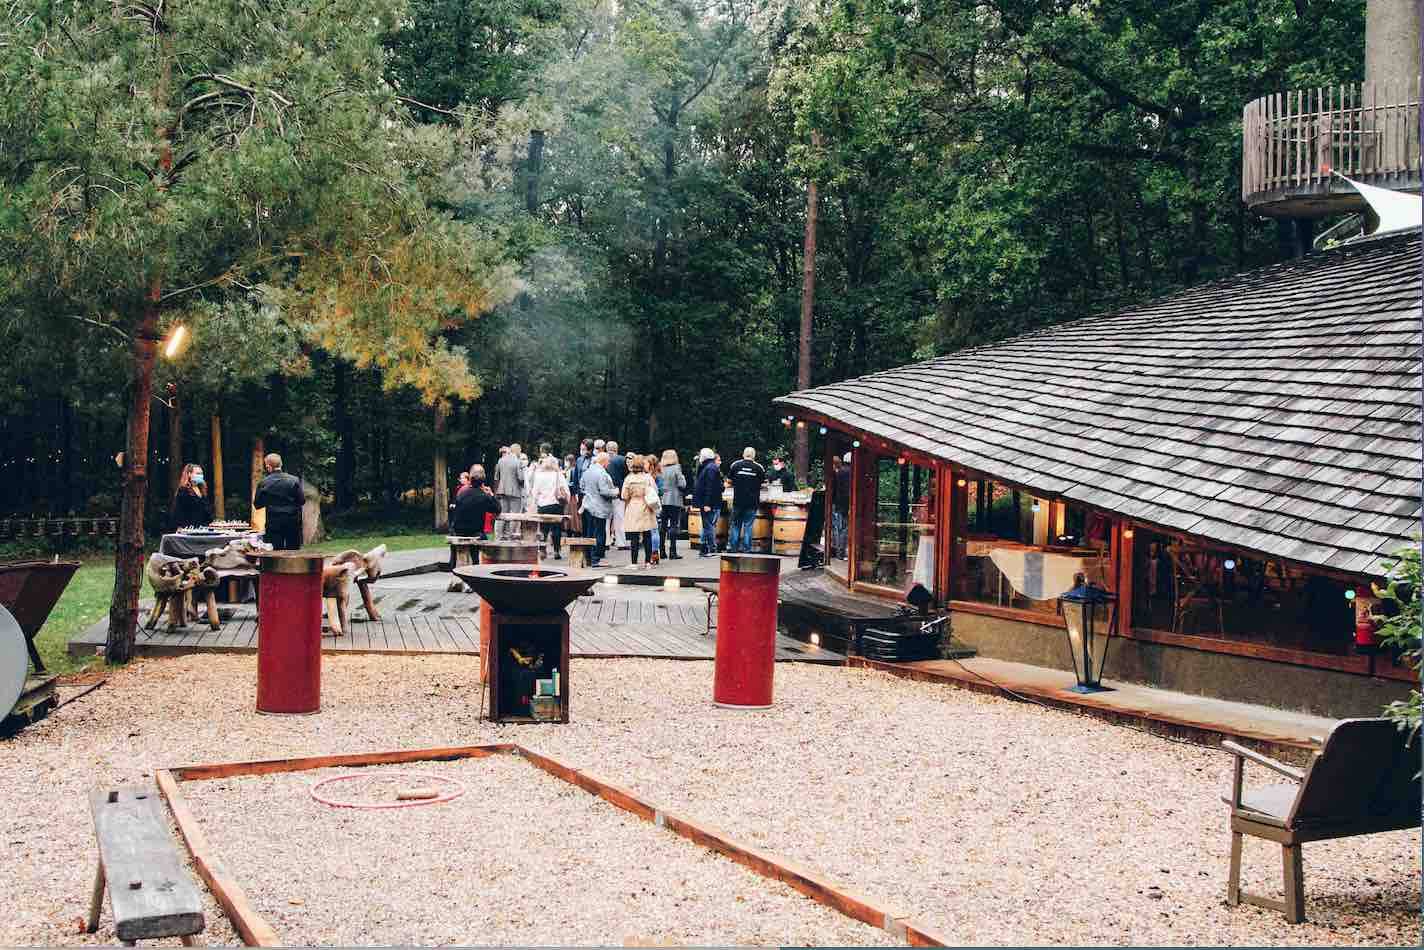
[(1035, 506), (823, 430), (611, 580), (1349, 593), (855, 444), (672, 583), (815, 639), (1229, 564)]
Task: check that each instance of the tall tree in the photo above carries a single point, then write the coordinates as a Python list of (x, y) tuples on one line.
[(156, 154)]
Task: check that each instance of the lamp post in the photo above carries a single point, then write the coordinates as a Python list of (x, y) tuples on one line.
[(1087, 643)]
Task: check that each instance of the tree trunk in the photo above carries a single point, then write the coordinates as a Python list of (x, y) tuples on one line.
[(535, 167), (442, 475), (346, 433), (128, 551), (258, 518), (219, 502), (808, 300), (175, 445)]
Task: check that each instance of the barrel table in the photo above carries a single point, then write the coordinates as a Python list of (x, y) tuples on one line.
[(788, 529), (746, 631), (289, 632)]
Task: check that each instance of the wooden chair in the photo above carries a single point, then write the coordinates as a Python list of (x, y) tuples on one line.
[(1362, 781)]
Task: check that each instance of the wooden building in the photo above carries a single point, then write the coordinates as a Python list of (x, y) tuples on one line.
[(1235, 461)]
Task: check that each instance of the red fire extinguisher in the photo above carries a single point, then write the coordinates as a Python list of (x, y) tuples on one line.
[(1365, 622)]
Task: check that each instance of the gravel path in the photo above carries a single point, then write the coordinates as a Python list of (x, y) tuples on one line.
[(992, 821), (521, 858)]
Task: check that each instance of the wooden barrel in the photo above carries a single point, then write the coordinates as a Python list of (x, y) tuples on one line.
[(694, 525), (788, 529)]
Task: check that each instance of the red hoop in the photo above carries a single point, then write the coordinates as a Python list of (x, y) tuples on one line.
[(455, 793)]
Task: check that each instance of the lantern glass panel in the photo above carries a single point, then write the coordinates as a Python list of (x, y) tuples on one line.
[(1073, 617), (1101, 633)]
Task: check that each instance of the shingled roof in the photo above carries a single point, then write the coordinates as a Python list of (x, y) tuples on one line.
[(1276, 410)]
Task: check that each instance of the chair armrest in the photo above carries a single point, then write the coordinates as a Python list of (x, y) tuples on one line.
[(1241, 752)]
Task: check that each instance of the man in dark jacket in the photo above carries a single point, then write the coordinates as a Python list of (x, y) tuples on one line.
[(473, 505), (747, 477), (707, 496), (281, 496)]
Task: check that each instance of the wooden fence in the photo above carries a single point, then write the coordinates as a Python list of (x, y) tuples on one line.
[(1367, 131)]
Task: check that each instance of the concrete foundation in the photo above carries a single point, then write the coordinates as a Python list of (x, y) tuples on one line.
[(1220, 675)]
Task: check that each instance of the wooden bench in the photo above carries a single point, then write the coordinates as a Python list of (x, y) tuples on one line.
[(150, 893), (711, 589), (1360, 782), (579, 549)]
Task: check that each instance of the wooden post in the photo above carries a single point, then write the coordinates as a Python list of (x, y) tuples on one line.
[(1122, 551), (808, 300), (259, 515), (219, 505)]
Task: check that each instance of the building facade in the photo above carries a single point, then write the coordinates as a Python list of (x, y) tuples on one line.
[(1236, 462)]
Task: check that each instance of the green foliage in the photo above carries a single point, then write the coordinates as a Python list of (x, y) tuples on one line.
[(1401, 627)]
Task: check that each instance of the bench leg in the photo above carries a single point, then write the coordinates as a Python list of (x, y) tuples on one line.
[(1233, 876), (1294, 874), (212, 601), (96, 900)]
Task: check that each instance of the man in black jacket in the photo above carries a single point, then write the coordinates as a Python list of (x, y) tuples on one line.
[(281, 495), (707, 495), (747, 477)]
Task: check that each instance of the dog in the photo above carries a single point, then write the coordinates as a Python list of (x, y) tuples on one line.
[(336, 578)]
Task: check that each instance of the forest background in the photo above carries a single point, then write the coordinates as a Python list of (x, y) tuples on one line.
[(635, 175)]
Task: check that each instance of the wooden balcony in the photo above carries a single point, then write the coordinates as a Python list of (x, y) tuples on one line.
[(1292, 141)]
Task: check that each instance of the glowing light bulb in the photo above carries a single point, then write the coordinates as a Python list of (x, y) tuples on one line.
[(855, 444), (1127, 532), (1349, 593), (1035, 506), (1229, 564), (672, 583), (175, 340), (961, 483), (611, 580), (823, 430), (815, 639)]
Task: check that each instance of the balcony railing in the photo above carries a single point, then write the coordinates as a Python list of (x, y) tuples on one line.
[(1292, 141)]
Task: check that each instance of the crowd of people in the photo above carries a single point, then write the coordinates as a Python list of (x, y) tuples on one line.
[(619, 500)]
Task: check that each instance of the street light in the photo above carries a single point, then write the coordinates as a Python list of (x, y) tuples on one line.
[(1087, 643)]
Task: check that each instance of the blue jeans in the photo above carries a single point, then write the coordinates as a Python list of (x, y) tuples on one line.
[(739, 530), (597, 530), (709, 529), (839, 533)]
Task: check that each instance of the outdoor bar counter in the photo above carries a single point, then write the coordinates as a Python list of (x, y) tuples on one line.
[(780, 522)]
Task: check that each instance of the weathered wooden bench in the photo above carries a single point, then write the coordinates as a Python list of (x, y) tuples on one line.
[(579, 549), (1362, 781), (150, 892)]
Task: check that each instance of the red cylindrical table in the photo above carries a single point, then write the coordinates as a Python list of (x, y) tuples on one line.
[(500, 552), (289, 632), (746, 631)]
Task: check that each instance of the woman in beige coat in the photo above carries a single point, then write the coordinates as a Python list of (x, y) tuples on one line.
[(639, 519)]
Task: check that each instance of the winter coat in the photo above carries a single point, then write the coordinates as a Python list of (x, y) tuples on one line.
[(673, 485), (707, 490), (470, 509), (598, 492), (637, 516), (190, 510)]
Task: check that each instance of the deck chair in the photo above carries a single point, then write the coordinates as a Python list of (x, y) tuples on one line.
[(1363, 780)]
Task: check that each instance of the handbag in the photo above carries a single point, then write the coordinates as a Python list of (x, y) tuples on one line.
[(651, 498)]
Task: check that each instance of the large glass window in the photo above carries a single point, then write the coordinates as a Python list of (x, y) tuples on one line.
[(838, 485), (895, 539), (1016, 550), (1181, 587)]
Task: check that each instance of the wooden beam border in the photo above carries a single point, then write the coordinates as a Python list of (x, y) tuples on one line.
[(256, 932)]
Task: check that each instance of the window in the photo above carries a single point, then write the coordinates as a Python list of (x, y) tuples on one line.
[(895, 529), (838, 484), (1221, 593), (1016, 550)]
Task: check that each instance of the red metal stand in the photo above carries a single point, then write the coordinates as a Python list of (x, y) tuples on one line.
[(746, 631), (289, 633)]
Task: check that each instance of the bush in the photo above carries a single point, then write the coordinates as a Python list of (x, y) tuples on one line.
[(1400, 606)]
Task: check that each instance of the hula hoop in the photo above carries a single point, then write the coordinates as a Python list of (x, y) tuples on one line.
[(451, 795)]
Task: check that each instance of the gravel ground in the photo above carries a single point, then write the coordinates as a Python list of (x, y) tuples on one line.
[(992, 821), (521, 858)]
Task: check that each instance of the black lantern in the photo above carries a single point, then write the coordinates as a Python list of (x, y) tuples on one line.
[(1088, 633)]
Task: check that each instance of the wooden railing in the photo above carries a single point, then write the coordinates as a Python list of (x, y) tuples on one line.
[(1368, 131)]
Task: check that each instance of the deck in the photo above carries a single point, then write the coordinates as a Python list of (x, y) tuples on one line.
[(419, 616)]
